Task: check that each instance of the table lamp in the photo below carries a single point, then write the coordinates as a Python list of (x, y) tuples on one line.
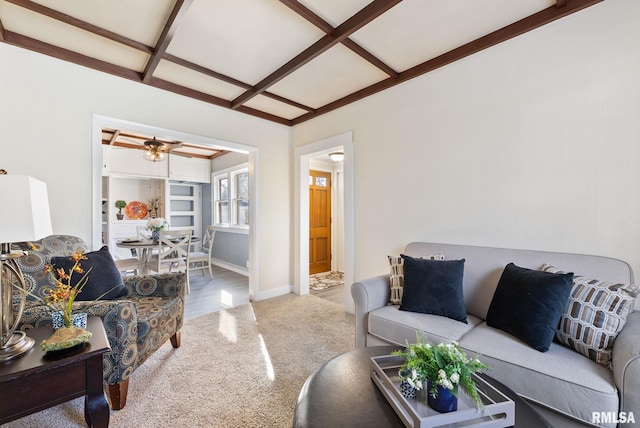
[(24, 217)]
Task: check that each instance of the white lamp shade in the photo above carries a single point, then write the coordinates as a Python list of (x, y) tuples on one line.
[(25, 214)]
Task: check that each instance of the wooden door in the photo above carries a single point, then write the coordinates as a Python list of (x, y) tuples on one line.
[(319, 221)]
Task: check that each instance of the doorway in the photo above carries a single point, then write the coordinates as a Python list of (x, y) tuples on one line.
[(100, 122), (342, 247)]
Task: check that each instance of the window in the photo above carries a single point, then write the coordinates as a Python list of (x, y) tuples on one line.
[(231, 198)]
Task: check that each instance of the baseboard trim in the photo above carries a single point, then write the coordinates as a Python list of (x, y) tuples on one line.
[(230, 266), (280, 291)]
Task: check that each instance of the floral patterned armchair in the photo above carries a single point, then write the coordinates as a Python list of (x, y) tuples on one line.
[(137, 324)]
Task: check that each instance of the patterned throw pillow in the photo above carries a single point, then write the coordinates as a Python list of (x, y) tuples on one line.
[(594, 315), (396, 276)]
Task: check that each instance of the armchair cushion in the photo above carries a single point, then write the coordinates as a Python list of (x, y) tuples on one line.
[(104, 280)]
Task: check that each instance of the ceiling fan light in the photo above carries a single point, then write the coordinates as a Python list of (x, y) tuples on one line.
[(154, 155), (336, 156)]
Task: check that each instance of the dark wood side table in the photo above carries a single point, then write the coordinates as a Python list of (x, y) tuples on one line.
[(342, 394), (38, 380)]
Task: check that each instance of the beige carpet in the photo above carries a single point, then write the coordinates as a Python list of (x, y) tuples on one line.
[(242, 367)]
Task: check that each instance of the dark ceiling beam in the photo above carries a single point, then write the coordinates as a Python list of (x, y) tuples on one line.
[(211, 99), (67, 55), (518, 28), (323, 25), (168, 32), (365, 54), (62, 17), (344, 30), (200, 69), (309, 15), (561, 3)]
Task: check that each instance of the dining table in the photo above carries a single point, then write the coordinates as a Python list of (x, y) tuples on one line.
[(144, 249)]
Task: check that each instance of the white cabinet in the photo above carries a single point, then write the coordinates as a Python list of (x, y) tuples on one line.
[(127, 161), (189, 169)]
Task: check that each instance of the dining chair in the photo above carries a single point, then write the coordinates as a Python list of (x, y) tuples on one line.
[(129, 266), (173, 252), (201, 260)]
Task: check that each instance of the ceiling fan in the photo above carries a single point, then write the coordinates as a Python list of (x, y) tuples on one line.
[(157, 149)]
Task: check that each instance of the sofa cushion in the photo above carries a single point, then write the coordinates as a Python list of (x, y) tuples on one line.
[(528, 303), (561, 379), (103, 278), (399, 327), (396, 279), (434, 287), (594, 314), (396, 276)]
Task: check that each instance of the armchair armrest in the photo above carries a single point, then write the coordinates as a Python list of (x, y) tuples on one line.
[(626, 364), (120, 321), (368, 294), (161, 285)]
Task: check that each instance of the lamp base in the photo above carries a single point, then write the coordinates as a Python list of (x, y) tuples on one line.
[(17, 345)]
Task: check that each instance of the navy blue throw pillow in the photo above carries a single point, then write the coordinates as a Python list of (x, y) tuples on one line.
[(528, 304), (103, 277), (433, 287)]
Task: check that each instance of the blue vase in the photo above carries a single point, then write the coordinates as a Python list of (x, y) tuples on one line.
[(445, 401), (155, 235), (78, 320)]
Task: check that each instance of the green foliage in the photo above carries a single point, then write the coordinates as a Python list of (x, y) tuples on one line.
[(444, 364), (120, 204)]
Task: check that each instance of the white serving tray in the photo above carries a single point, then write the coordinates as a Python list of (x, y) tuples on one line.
[(498, 410)]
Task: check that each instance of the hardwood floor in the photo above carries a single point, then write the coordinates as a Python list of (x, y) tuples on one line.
[(226, 290), (229, 289)]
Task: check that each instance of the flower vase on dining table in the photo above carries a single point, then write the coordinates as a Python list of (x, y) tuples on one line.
[(155, 235)]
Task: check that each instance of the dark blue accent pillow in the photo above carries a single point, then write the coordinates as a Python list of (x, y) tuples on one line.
[(433, 287), (528, 304), (103, 277)]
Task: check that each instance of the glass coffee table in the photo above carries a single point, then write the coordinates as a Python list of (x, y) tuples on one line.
[(342, 394)]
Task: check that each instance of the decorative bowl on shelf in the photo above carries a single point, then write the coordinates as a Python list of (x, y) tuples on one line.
[(136, 210)]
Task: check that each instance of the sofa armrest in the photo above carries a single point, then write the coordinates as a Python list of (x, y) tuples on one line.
[(368, 294), (626, 364), (160, 285)]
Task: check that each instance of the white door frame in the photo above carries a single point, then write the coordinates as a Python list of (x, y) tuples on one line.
[(99, 122), (301, 173)]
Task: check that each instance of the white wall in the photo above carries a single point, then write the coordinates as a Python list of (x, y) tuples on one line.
[(534, 144), (46, 109)]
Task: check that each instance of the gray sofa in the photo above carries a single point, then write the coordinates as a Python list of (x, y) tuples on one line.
[(564, 385)]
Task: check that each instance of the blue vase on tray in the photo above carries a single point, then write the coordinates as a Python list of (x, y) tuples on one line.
[(444, 402)]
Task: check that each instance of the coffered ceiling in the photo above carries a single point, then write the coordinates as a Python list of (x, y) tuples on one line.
[(286, 61)]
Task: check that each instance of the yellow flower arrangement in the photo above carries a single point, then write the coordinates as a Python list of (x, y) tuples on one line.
[(61, 297)]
